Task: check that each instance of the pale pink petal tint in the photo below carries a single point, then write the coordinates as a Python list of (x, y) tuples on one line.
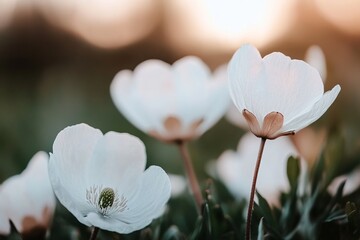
[(352, 183), (277, 95), (172, 102)]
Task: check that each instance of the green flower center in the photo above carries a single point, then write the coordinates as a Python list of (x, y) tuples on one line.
[(107, 197)]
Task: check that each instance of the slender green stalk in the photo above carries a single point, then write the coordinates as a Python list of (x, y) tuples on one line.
[(191, 175), (253, 188), (94, 233)]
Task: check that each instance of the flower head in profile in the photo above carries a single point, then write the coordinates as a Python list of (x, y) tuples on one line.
[(172, 102), (101, 180), (276, 95), (28, 200), (235, 169)]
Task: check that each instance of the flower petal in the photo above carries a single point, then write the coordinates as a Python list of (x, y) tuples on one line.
[(33, 185), (122, 94), (118, 162), (152, 194), (218, 100), (72, 150), (290, 87), (236, 169), (316, 58), (4, 220), (245, 71), (314, 113)]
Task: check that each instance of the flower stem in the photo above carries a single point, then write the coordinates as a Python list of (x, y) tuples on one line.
[(94, 233), (194, 184), (253, 187)]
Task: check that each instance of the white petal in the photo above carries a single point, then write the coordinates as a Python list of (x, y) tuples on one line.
[(178, 185), (234, 116), (33, 185), (72, 150), (118, 162), (4, 220), (290, 87), (122, 93), (351, 185), (218, 99), (245, 71), (153, 194), (316, 58), (191, 77), (314, 113), (236, 169)]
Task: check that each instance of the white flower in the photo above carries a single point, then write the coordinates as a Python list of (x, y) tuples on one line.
[(352, 183), (171, 102), (178, 185), (316, 58), (236, 169), (101, 180), (4, 220), (276, 95), (27, 199)]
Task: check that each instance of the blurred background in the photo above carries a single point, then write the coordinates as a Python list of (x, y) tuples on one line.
[(58, 58)]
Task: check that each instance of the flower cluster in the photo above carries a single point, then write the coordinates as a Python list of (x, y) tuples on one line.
[(102, 179)]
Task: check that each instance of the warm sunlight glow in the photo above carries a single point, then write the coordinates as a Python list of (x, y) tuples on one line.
[(227, 23), (343, 14), (104, 23)]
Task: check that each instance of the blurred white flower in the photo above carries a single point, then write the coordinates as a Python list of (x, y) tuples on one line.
[(276, 95), (101, 180), (235, 117), (178, 102), (28, 200), (316, 58), (4, 221), (309, 142), (178, 185), (235, 169), (352, 183)]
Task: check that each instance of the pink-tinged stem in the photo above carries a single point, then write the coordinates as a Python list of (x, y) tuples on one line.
[(253, 187), (194, 184), (94, 233)]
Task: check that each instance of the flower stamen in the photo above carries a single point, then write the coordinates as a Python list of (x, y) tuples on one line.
[(105, 200)]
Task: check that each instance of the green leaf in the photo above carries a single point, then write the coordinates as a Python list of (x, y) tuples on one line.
[(293, 172), (266, 211)]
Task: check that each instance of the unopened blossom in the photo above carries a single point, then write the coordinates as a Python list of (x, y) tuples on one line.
[(276, 95), (28, 200), (235, 168), (101, 180), (172, 102)]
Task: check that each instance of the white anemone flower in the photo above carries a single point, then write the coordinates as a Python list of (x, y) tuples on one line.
[(28, 200), (101, 180), (277, 95), (172, 102), (235, 168)]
